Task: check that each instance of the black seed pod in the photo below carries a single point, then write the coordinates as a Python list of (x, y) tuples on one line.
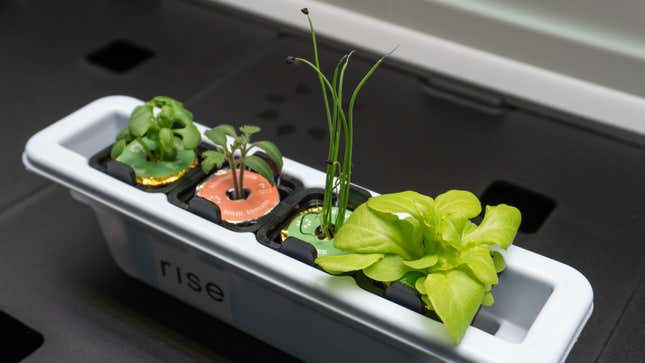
[(305, 11), (290, 59)]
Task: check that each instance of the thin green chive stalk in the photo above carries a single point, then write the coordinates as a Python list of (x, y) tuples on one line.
[(334, 147), (317, 62), (340, 124), (344, 178), (326, 214), (332, 161), (343, 198)]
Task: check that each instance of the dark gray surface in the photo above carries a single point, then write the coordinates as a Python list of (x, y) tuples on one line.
[(626, 345), (45, 75), (58, 277)]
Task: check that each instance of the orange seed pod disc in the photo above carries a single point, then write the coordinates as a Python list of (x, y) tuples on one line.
[(262, 197)]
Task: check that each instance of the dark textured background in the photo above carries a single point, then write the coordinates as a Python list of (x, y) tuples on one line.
[(56, 274)]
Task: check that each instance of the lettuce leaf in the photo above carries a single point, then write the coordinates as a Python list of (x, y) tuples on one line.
[(336, 264), (498, 259), (455, 297), (489, 300), (412, 203), (368, 232), (423, 262), (458, 204), (499, 226), (480, 262), (390, 268), (411, 277), (420, 285)]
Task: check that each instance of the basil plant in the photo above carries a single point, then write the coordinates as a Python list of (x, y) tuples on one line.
[(159, 140)]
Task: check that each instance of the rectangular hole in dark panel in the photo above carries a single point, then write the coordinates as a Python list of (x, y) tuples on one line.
[(535, 207), (120, 56), (23, 340)]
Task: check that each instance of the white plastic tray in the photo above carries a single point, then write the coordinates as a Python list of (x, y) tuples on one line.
[(540, 307)]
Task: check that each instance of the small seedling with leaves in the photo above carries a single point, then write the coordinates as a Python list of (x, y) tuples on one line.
[(160, 138), (237, 155), (340, 123)]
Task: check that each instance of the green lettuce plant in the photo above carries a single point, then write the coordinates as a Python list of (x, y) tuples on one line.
[(237, 155), (340, 123), (431, 245), (160, 138)]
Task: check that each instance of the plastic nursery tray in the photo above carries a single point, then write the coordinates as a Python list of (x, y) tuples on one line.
[(540, 305)]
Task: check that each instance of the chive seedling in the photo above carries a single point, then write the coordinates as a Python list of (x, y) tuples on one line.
[(340, 123), (237, 155)]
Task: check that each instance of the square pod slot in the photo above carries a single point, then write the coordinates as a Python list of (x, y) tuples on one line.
[(183, 196), (271, 233), (24, 340), (120, 56), (535, 207), (103, 162)]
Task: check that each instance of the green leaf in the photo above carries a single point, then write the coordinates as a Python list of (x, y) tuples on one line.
[(468, 227), (125, 135), (272, 151), (239, 141), (499, 227), (488, 300), (217, 136), (412, 231), (135, 156), (498, 259), (117, 148), (480, 263), (390, 268), (212, 159), (140, 120), (432, 230), (165, 117), (423, 262), (458, 204), (451, 230), (160, 101), (190, 137), (166, 139), (260, 166), (368, 232), (427, 301), (226, 130), (249, 130), (181, 115), (337, 264), (410, 202), (420, 285), (410, 278), (447, 255), (173, 111), (150, 143), (455, 297)]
